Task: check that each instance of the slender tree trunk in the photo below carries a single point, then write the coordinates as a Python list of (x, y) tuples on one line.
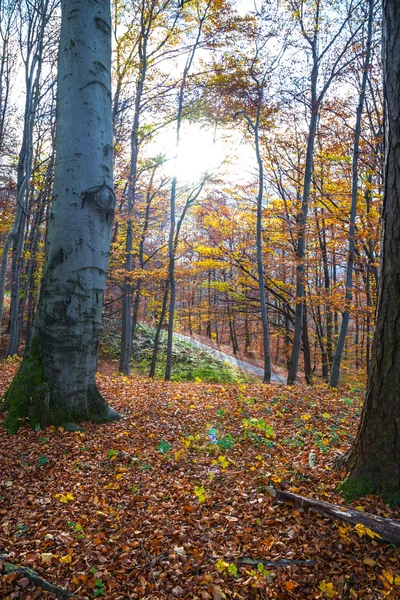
[(259, 246), (301, 242), (335, 373), (56, 382), (127, 330), (158, 330), (33, 247), (171, 238), (306, 349), (33, 69)]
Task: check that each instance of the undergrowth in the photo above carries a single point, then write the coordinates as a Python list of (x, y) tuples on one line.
[(189, 362)]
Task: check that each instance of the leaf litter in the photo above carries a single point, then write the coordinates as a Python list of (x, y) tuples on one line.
[(172, 502)]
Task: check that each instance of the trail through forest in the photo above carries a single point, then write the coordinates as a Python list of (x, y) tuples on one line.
[(232, 360)]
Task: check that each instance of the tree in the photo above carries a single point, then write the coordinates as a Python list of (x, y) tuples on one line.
[(334, 379), (56, 380), (309, 19), (152, 14), (33, 51), (202, 16), (374, 459)]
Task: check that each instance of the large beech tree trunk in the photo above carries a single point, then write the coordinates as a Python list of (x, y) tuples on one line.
[(56, 380), (374, 459)]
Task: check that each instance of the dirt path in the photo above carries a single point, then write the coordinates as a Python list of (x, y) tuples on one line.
[(240, 364)]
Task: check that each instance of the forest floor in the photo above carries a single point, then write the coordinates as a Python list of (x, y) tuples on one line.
[(167, 502)]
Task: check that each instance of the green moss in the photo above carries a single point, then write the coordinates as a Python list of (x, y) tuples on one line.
[(354, 487), (28, 397), (189, 362), (27, 390)]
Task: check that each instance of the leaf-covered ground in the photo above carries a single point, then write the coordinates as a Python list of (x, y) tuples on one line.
[(164, 503)]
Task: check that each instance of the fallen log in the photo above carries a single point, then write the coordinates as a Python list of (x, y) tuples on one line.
[(37, 580), (283, 562), (387, 529)]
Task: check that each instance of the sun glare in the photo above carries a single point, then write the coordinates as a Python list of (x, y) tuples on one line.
[(198, 153)]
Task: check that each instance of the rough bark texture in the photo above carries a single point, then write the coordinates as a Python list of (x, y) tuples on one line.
[(387, 529), (56, 381), (374, 459)]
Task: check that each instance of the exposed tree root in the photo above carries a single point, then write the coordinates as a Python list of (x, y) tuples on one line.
[(30, 574)]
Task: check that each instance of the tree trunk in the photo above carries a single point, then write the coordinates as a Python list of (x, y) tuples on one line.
[(259, 245), (335, 373), (158, 330), (306, 349), (172, 237), (374, 459), (56, 382), (301, 243)]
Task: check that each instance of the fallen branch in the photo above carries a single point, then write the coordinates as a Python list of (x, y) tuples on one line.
[(153, 561), (283, 562), (387, 529), (30, 574)]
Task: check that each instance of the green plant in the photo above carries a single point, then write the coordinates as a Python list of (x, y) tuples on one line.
[(227, 442), (99, 589), (223, 566), (164, 447), (190, 362), (146, 467), (42, 460), (112, 453), (200, 493)]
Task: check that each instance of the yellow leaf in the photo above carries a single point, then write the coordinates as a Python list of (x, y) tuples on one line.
[(47, 556), (369, 561), (362, 530), (306, 417), (66, 559), (372, 534), (221, 565), (326, 415), (117, 477), (65, 498), (327, 588), (388, 575)]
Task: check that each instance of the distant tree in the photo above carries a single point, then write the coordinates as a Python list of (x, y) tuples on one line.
[(56, 380), (35, 43), (328, 49), (374, 458), (335, 373), (202, 17)]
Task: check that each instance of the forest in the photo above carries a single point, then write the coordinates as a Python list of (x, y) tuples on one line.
[(199, 299)]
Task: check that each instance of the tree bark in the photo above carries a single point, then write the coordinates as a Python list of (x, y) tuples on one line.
[(387, 529), (56, 382), (374, 458)]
